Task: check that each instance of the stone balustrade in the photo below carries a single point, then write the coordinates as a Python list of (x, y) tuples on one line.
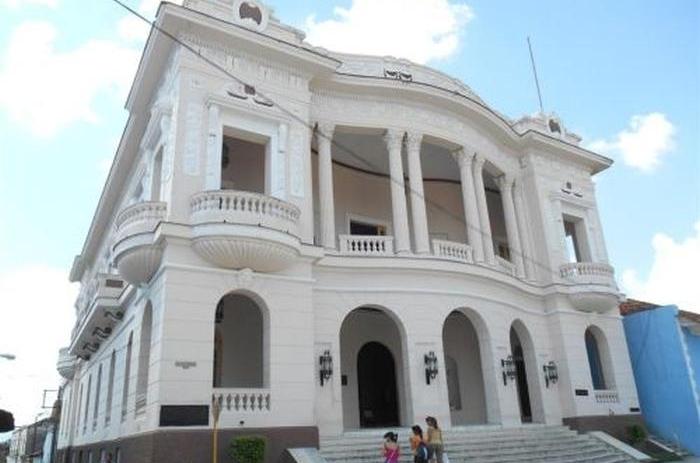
[(139, 217), (245, 208), (242, 229), (136, 253), (452, 250), (606, 396), (586, 269), (366, 245), (242, 400)]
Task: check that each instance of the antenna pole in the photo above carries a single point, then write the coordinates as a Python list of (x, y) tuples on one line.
[(534, 71)]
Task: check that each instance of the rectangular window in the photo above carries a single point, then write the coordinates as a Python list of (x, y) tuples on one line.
[(365, 228), (575, 239), (243, 164)]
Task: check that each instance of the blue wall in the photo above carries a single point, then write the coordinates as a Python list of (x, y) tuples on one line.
[(660, 371)]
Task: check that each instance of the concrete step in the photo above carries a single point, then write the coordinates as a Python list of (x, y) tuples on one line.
[(487, 444)]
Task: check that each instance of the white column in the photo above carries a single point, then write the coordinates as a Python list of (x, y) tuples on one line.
[(415, 178), (505, 183), (525, 242), (464, 159), (394, 141), (324, 135), (485, 230)]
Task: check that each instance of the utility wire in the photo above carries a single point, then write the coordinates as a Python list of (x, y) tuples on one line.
[(526, 258)]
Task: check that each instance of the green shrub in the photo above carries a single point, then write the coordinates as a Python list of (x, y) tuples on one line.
[(636, 433), (247, 449)]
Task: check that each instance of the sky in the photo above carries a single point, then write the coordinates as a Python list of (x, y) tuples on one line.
[(625, 75)]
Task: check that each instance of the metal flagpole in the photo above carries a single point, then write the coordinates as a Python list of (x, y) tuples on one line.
[(534, 71)]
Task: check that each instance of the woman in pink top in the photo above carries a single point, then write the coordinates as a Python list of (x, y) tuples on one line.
[(391, 448)]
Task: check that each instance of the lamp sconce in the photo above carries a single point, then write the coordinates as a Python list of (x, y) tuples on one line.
[(508, 369), (551, 375), (431, 369), (102, 333), (325, 363)]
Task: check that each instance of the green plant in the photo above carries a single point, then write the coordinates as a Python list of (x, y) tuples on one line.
[(247, 449), (636, 434)]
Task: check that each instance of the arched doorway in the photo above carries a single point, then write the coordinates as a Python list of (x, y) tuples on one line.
[(465, 379), (376, 384), (239, 343), (599, 361), (372, 363), (516, 348), (526, 369)]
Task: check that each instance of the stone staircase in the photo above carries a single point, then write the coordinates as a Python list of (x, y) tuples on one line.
[(482, 444)]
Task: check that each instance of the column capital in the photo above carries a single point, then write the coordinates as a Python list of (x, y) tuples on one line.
[(413, 140), (464, 155), (505, 181), (479, 161), (393, 138), (325, 128)]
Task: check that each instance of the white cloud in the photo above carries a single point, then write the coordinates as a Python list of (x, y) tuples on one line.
[(673, 278), (47, 90), (420, 30), (642, 145), (37, 315), (20, 3)]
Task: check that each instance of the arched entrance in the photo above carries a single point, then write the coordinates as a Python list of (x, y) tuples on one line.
[(521, 377), (372, 363), (240, 338), (526, 379), (376, 378), (465, 379), (599, 359)]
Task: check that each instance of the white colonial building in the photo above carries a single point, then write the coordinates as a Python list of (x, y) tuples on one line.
[(315, 242)]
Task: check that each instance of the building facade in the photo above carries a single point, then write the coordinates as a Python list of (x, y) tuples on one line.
[(309, 242), (664, 347)]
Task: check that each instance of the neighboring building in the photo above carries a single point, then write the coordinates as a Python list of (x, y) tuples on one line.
[(287, 273), (664, 346), (32, 443)]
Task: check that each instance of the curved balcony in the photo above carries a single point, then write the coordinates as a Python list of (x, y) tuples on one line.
[(66, 363), (592, 285), (241, 229), (136, 253)]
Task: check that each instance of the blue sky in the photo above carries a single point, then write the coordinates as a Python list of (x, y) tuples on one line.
[(625, 75)]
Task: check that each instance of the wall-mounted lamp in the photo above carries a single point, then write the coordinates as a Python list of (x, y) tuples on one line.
[(325, 363), (508, 369), (102, 333), (551, 375), (431, 369)]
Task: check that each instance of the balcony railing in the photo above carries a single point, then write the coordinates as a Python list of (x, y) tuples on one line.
[(136, 252), (245, 208), (145, 215), (454, 251), (366, 245), (606, 396), (243, 400), (586, 269)]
